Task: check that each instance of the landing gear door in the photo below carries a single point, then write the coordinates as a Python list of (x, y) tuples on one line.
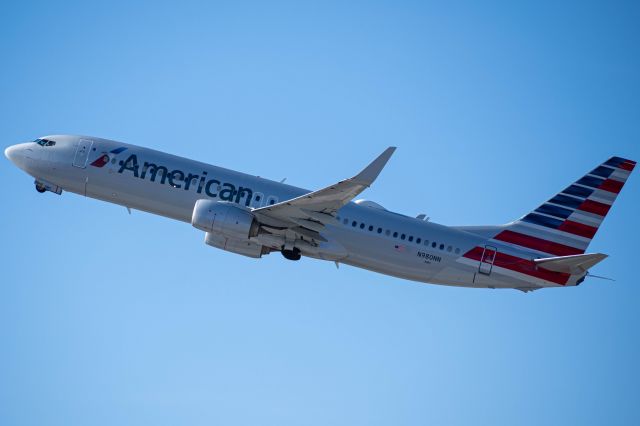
[(486, 261), (82, 153)]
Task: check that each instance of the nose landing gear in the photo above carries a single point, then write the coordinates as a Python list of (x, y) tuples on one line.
[(293, 254), (40, 188), (44, 186)]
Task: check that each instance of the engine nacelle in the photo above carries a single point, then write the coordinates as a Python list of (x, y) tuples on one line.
[(224, 219), (243, 247)]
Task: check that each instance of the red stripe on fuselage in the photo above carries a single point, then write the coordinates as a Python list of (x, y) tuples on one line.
[(594, 207), (523, 266), (537, 243)]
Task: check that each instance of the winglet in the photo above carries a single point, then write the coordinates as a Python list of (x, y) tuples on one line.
[(371, 172)]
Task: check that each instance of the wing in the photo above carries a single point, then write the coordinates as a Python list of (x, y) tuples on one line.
[(308, 214)]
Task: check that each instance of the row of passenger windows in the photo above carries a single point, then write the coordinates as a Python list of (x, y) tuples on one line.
[(395, 234)]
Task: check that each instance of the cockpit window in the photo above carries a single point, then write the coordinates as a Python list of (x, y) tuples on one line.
[(45, 142)]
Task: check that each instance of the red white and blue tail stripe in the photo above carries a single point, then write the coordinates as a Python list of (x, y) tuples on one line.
[(566, 223), (563, 226)]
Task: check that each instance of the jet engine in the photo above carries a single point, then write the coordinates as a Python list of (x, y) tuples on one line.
[(225, 219), (244, 247), (228, 227)]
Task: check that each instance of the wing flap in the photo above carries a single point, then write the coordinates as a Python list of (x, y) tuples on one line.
[(309, 224), (308, 233), (323, 218)]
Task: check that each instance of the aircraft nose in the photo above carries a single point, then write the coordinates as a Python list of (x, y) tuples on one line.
[(19, 155), (12, 153)]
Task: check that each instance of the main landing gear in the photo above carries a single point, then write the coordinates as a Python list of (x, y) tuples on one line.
[(293, 254)]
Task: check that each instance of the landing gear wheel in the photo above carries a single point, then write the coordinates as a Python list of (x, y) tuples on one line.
[(40, 188), (291, 254)]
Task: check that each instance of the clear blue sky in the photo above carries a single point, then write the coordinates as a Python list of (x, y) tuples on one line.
[(107, 318)]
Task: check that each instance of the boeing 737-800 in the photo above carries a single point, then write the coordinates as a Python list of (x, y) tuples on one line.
[(253, 216)]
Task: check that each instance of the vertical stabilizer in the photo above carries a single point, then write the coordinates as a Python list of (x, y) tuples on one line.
[(566, 224)]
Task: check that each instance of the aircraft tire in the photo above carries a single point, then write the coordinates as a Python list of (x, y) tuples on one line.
[(291, 254)]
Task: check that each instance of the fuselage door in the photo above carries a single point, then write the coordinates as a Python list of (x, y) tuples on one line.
[(82, 153), (486, 261)]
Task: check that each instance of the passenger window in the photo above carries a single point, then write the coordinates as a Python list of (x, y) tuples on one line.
[(426, 242), (441, 246), (449, 248), (257, 199), (354, 223), (402, 237), (434, 244), (272, 200), (411, 238), (395, 235), (362, 226), (418, 240), (387, 232), (370, 227), (379, 230)]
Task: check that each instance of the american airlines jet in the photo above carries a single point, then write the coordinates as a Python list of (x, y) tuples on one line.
[(253, 216)]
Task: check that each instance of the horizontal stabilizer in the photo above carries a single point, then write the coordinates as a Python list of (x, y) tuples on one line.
[(574, 264)]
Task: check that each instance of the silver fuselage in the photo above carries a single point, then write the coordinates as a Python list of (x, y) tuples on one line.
[(364, 233)]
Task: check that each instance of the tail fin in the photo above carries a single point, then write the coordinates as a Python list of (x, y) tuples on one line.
[(565, 224)]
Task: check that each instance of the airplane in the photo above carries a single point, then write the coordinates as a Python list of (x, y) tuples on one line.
[(253, 216)]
